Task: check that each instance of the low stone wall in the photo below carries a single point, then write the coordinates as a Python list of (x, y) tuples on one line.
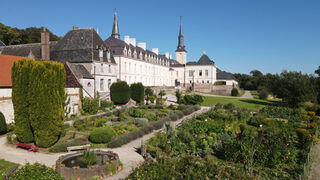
[(222, 90), (86, 173)]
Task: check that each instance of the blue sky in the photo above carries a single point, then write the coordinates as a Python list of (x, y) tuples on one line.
[(239, 35)]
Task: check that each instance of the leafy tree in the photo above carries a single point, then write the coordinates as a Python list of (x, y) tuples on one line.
[(263, 94), (162, 93), (137, 92), (148, 92), (90, 106), (120, 92), (178, 95)]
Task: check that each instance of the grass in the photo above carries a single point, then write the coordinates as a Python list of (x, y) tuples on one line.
[(253, 104), (241, 92), (5, 166), (255, 94)]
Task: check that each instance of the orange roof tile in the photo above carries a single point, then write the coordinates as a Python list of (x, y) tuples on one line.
[(6, 62)]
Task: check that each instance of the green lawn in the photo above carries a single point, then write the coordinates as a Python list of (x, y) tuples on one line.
[(254, 104), (255, 94), (5, 166)]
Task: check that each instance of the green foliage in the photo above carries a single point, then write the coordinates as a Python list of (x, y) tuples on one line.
[(20, 74), (234, 92), (5, 167), (137, 92), (12, 36), (38, 101), (220, 83), (263, 94), (102, 134), (120, 92), (89, 158), (148, 92), (162, 93), (141, 121), (90, 106), (291, 114), (3, 124), (192, 99), (135, 112), (151, 98), (35, 171), (46, 96), (105, 104), (179, 96)]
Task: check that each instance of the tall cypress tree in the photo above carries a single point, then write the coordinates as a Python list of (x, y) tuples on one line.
[(20, 87)]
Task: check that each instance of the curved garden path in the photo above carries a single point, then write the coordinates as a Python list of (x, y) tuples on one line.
[(314, 173), (246, 95), (127, 153)]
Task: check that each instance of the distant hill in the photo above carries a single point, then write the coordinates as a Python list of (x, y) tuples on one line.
[(12, 36)]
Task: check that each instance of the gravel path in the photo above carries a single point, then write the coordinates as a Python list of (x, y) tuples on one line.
[(247, 95), (127, 153), (314, 173)]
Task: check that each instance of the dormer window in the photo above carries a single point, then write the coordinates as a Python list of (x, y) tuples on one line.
[(100, 54), (108, 55), (125, 52)]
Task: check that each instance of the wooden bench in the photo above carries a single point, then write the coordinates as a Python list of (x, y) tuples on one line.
[(75, 148)]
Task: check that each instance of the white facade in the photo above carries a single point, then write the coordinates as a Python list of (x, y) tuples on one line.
[(181, 57), (74, 105), (6, 106), (134, 70)]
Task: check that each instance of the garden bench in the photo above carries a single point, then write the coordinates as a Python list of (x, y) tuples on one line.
[(74, 148)]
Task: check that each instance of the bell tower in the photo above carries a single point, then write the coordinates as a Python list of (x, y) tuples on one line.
[(181, 53)]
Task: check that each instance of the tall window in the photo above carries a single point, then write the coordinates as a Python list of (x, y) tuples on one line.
[(129, 68), (108, 55), (207, 72), (109, 68), (177, 73), (109, 83), (100, 54), (125, 66), (101, 84), (101, 68), (190, 73), (200, 72)]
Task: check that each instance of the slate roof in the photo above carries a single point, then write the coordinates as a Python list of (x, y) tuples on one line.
[(71, 80), (80, 45), (80, 71), (117, 46), (204, 60), (175, 63), (223, 75), (2, 44)]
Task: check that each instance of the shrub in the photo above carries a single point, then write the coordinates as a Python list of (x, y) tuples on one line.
[(102, 134), (263, 94), (105, 104), (174, 117), (151, 98), (137, 92), (135, 112), (90, 106), (192, 99), (178, 96), (120, 92), (234, 92), (3, 125), (141, 121), (35, 171), (148, 92)]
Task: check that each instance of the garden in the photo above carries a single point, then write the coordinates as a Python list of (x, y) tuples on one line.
[(232, 143)]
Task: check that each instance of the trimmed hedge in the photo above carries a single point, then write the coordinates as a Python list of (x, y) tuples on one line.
[(102, 134), (126, 138), (234, 92), (120, 92), (3, 125), (38, 101), (137, 92), (36, 171)]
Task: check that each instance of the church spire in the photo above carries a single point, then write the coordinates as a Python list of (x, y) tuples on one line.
[(115, 29), (180, 39)]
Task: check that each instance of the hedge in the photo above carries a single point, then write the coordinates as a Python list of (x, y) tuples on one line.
[(126, 138), (20, 74), (3, 125), (120, 92), (137, 92), (35, 171), (234, 92), (38, 101), (102, 134)]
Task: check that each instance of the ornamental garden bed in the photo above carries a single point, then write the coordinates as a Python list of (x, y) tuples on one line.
[(231, 143), (100, 131)]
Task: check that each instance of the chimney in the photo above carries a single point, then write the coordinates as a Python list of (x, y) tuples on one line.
[(133, 41), (142, 45), (167, 55), (75, 28), (45, 44), (127, 39), (170, 57), (155, 50)]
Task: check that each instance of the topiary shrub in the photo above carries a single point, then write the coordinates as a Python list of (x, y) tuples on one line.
[(137, 92), (234, 92), (263, 94), (192, 99), (102, 135), (35, 171), (3, 125), (120, 92)]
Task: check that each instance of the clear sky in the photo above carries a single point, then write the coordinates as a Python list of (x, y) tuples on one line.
[(239, 35)]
